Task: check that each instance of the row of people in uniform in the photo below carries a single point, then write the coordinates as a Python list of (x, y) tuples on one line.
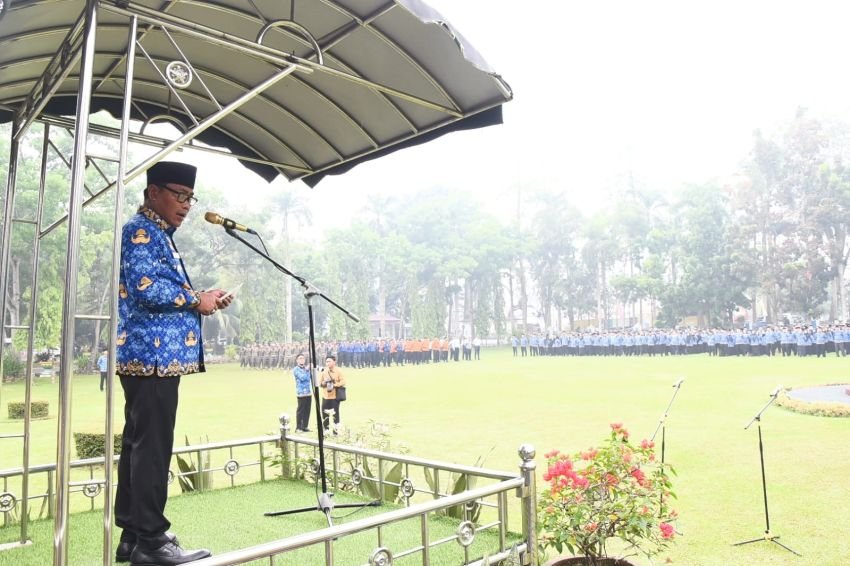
[(361, 353), (272, 355), (414, 351), (767, 341)]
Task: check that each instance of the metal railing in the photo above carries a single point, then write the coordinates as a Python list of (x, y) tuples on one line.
[(464, 535), (477, 509), (44, 474)]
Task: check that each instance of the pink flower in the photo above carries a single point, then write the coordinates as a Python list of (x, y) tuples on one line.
[(617, 428), (639, 476), (590, 454), (551, 454), (596, 491)]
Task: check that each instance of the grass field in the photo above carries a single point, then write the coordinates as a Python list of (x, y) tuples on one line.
[(460, 411)]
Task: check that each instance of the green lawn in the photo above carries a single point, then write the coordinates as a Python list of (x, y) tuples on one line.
[(460, 411)]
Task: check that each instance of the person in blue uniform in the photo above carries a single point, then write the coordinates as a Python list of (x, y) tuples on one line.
[(159, 340), (303, 392), (102, 366)]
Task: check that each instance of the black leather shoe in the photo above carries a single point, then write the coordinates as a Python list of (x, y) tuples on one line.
[(168, 554), (125, 549), (122, 553)]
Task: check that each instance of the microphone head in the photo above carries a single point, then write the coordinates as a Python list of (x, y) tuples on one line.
[(776, 391), (213, 218), (679, 383)]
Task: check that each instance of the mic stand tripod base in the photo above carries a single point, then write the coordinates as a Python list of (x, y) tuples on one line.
[(769, 538), (326, 506)]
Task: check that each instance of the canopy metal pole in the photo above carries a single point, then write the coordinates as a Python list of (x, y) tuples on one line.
[(36, 245), (63, 449), (5, 243), (116, 268)]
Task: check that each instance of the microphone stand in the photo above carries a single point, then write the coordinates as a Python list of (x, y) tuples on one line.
[(662, 425), (325, 502), (768, 536), (662, 422)]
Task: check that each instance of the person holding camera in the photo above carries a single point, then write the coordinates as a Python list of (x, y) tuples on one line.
[(331, 380)]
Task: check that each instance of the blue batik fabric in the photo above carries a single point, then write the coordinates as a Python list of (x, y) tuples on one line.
[(303, 381), (159, 331)]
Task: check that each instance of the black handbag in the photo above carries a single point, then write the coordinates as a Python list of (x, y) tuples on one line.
[(340, 393)]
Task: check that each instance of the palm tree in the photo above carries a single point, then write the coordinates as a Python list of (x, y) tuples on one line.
[(293, 208)]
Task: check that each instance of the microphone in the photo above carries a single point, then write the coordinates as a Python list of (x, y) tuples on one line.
[(679, 383), (776, 391), (229, 224)]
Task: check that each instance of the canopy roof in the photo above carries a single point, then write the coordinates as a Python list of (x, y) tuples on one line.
[(389, 74)]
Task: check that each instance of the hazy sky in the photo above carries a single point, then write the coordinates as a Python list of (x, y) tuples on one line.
[(669, 92)]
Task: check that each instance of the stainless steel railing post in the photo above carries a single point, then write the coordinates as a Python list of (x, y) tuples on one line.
[(529, 501)]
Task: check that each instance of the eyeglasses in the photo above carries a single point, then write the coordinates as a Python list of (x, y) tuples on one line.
[(180, 196)]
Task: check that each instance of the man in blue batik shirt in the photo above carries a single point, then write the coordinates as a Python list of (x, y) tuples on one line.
[(159, 340), (303, 391)]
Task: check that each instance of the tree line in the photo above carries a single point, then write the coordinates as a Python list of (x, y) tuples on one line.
[(772, 239)]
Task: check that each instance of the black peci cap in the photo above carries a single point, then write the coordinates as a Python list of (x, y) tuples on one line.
[(172, 172)]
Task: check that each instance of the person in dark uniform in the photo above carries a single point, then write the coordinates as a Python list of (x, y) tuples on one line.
[(159, 340)]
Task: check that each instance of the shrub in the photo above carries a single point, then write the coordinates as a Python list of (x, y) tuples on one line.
[(194, 478), (819, 409), (13, 367), (459, 483), (39, 410), (91, 444), (615, 491), (82, 363)]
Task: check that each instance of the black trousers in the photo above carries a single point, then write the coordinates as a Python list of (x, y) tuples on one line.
[(302, 414), (150, 411), (327, 405)]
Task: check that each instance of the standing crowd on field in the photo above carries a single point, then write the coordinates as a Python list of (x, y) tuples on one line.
[(362, 353), (814, 340)]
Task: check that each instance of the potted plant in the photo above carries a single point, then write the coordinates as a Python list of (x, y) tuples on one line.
[(615, 491)]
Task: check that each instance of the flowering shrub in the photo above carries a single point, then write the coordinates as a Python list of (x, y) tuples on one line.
[(617, 490)]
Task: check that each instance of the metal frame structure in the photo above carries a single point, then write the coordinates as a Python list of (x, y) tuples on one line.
[(349, 464), (77, 52)]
